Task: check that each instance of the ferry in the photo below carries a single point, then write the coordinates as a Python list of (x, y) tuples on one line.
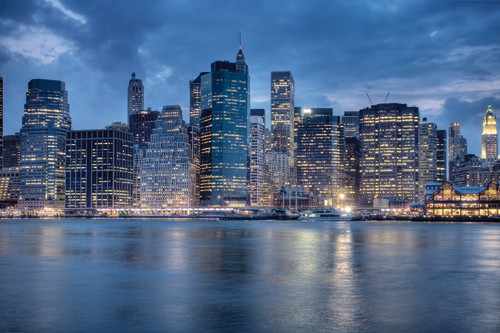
[(325, 214)]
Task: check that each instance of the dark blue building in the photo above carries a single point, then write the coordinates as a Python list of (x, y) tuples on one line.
[(224, 124)]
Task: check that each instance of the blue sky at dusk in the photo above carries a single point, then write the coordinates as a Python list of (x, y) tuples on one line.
[(442, 56)]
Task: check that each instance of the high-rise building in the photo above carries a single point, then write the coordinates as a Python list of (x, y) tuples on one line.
[(489, 138), (9, 187), (351, 171), (167, 173), (99, 168), (135, 95), (457, 148), (320, 143), (350, 120), (256, 183), (141, 126), (195, 100), (427, 155), (297, 119), (11, 151), (194, 129), (441, 161), (46, 123), (1, 122), (225, 101), (283, 119), (389, 152)]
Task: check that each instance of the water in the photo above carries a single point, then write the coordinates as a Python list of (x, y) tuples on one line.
[(189, 276)]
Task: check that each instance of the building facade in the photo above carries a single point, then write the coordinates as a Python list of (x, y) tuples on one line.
[(489, 138), (9, 187), (457, 148), (427, 155), (135, 95), (225, 105), (99, 168), (389, 152), (11, 151), (1, 122), (351, 171), (441, 160), (256, 181), (320, 145), (350, 120), (46, 123), (167, 173)]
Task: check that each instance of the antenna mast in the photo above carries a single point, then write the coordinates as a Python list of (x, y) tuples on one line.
[(386, 97)]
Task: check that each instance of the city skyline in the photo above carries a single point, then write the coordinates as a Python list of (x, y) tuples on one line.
[(336, 51)]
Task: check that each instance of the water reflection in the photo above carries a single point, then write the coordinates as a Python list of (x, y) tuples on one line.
[(241, 276)]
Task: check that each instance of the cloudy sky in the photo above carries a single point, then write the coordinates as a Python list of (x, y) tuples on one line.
[(443, 56)]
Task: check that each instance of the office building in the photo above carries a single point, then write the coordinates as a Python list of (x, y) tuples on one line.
[(427, 155), (9, 187), (256, 183), (350, 120), (389, 153), (141, 126), (441, 160), (457, 148), (320, 145), (167, 173), (225, 102), (135, 95), (45, 126), (195, 100), (99, 168), (11, 151), (489, 138), (351, 171), (1, 122), (282, 120)]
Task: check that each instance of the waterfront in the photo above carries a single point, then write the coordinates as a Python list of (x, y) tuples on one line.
[(238, 276)]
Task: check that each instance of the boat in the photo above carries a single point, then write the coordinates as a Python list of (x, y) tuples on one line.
[(326, 214)]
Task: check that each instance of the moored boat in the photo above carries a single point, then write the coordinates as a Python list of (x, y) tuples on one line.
[(326, 214)]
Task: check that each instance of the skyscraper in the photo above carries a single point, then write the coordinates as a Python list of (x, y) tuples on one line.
[(427, 155), (350, 119), (389, 152), (135, 95), (99, 168), (256, 183), (489, 138), (225, 101), (351, 170), (167, 173), (1, 122), (320, 143), (11, 151), (282, 112), (457, 149), (46, 123), (195, 100), (441, 163)]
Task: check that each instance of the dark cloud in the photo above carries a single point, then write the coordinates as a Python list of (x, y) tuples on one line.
[(426, 53)]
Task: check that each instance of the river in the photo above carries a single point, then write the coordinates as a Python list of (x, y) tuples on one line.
[(240, 276)]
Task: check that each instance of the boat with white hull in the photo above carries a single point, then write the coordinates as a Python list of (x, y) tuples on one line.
[(325, 214)]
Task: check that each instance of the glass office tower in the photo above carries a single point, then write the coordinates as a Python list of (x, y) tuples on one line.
[(224, 124), (46, 123)]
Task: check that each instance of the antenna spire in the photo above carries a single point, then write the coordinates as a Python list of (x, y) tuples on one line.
[(241, 44)]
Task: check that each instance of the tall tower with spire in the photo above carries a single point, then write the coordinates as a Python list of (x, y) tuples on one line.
[(225, 107), (135, 95), (489, 138)]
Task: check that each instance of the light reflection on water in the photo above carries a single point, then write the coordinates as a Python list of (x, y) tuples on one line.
[(157, 276)]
